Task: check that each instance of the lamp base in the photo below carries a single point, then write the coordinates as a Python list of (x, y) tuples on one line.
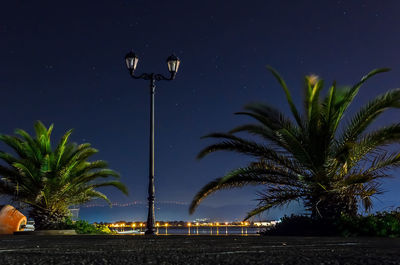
[(150, 232)]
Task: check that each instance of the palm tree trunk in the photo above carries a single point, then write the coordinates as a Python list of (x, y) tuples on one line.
[(46, 220), (332, 206)]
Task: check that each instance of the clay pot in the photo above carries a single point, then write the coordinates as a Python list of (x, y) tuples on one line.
[(11, 220)]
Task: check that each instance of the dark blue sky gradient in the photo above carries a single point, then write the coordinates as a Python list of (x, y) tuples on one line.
[(62, 62)]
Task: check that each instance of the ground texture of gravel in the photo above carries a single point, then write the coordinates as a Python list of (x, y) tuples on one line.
[(26, 249)]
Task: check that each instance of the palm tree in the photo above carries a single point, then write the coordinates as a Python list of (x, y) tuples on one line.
[(50, 180), (315, 158)]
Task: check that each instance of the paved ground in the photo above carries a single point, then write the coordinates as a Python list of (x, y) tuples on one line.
[(24, 249)]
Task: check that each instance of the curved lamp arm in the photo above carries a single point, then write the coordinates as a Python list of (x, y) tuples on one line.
[(151, 76)]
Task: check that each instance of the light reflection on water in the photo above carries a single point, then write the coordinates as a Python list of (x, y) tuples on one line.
[(208, 231)]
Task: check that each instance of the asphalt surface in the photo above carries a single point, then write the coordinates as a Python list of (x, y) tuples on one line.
[(27, 249)]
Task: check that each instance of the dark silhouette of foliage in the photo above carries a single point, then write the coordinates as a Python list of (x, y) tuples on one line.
[(382, 224), (309, 158)]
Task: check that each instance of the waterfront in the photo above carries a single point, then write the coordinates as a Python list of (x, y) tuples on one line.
[(192, 228), (203, 230)]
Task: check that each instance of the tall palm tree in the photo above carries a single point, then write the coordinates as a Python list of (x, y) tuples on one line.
[(330, 165), (50, 180)]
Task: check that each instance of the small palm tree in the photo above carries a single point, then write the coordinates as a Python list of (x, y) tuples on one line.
[(50, 180), (314, 158)]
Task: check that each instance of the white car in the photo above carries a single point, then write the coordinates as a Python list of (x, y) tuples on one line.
[(30, 226)]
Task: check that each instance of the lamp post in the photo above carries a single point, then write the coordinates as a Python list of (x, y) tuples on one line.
[(173, 62)]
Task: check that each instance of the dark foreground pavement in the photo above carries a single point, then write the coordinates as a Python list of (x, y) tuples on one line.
[(25, 249)]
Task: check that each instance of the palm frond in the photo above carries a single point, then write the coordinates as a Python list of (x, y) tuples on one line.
[(313, 110), (15, 143), (258, 130), (59, 152), (120, 186), (96, 194), (384, 162), (288, 96), (374, 140), (256, 174), (258, 210), (270, 199), (369, 113), (234, 143), (350, 95), (297, 149)]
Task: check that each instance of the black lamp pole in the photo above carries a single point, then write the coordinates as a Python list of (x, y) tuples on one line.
[(173, 64)]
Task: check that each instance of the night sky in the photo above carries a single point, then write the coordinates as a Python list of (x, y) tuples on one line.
[(62, 62)]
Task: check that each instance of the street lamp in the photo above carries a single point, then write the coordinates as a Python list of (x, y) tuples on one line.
[(173, 62)]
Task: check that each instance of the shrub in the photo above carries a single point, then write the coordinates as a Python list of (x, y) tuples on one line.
[(302, 225), (84, 227), (385, 224), (382, 224)]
